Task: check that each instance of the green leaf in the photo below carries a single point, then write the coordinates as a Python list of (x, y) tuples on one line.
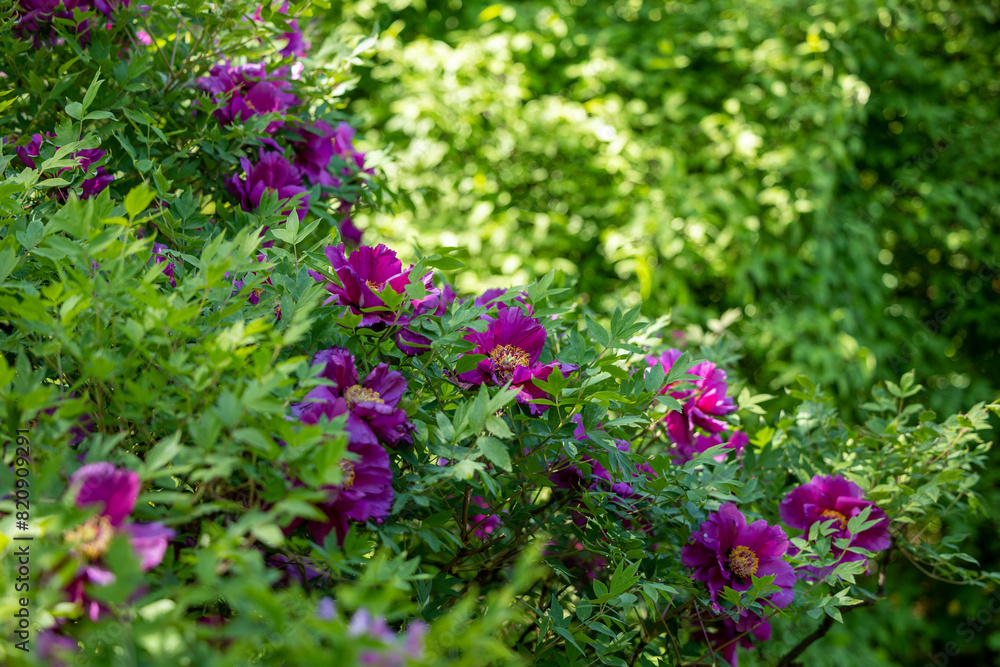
[(598, 332), (30, 237), (498, 427), (162, 453), (95, 85), (8, 260), (292, 224), (269, 534), (444, 263), (495, 451), (568, 636), (74, 110), (99, 115), (138, 199), (467, 362)]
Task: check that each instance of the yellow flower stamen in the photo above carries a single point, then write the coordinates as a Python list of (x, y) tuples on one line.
[(743, 562), (348, 478), (357, 394), (836, 516), (91, 539), (506, 358)]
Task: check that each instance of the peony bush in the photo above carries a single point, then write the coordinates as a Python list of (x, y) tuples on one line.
[(238, 431)]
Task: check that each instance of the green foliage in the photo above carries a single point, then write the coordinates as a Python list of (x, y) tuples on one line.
[(821, 176)]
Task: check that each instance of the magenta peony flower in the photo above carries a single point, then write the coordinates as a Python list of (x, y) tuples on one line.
[(349, 232), (490, 298), (78, 432), (343, 147), (371, 406), (115, 491), (569, 476), (448, 296), (512, 344), (159, 256), (397, 650), (365, 494), (483, 525), (254, 297), (720, 633), (725, 551), (37, 17), (317, 147), (296, 45), (832, 497), (363, 279), (29, 151), (245, 91), (101, 179), (314, 152), (55, 649), (273, 174), (90, 187), (704, 402), (689, 444)]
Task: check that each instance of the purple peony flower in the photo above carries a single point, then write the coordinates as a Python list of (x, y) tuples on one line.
[(448, 296), (115, 492), (707, 400), (569, 476), (100, 179), (689, 444), (160, 256), (273, 174), (314, 152), (318, 145), (326, 610), (30, 150), (832, 497), (343, 147), (245, 91), (490, 298), (296, 45), (55, 649), (36, 17), (301, 569), (363, 279), (396, 650), (721, 634), (483, 525), (725, 551), (90, 187), (371, 405), (365, 494), (349, 232), (83, 427), (512, 344)]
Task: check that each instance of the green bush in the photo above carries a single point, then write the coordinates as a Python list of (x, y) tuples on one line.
[(820, 177)]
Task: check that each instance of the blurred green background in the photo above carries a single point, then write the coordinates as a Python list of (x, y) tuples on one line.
[(818, 179)]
